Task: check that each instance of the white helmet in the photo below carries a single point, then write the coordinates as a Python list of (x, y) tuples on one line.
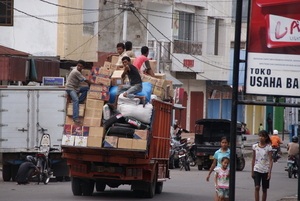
[(275, 132)]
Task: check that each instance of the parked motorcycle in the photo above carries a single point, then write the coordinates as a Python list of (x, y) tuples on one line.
[(173, 157), (192, 154), (292, 166), (183, 154), (42, 157), (275, 155)]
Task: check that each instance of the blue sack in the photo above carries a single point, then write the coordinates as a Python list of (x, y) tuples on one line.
[(147, 89)]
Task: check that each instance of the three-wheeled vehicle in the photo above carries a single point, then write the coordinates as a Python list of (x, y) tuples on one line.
[(208, 133)]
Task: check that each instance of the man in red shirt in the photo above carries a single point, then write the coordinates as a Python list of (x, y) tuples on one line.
[(142, 62)]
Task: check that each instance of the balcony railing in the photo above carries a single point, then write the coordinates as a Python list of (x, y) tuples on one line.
[(187, 47)]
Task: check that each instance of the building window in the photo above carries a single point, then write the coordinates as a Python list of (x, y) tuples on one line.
[(215, 36), (183, 26), (6, 12)]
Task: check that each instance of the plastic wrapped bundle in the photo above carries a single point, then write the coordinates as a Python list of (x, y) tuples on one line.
[(138, 112)]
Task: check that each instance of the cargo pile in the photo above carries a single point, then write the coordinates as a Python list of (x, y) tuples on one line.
[(128, 128)]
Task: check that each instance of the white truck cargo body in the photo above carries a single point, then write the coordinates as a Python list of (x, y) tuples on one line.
[(21, 108)]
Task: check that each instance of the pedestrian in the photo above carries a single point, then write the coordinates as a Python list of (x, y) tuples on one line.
[(73, 89), (224, 151), (135, 83), (262, 164), (26, 171), (260, 128), (222, 179), (129, 52), (142, 62), (270, 124)]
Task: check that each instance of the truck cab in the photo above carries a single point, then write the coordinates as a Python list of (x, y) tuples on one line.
[(208, 133)]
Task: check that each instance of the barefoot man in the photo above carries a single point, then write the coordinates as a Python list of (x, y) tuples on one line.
[(135, 83)]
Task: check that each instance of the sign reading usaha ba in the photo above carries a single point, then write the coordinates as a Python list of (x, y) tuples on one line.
[(273, 63)]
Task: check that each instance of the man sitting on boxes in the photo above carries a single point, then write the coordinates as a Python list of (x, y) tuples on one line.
[(73, 89), (122, 53), (135, 83), (142, 62)]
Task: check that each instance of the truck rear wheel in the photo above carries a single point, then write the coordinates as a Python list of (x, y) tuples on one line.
[(100, 186), (152, 185), (76, 186), (87, 187), (159, 187), (6, 172)]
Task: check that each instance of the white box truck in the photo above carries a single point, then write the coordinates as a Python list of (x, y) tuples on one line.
[(21, 108)]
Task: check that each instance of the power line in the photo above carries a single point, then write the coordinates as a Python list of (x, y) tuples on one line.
[(65, 23)]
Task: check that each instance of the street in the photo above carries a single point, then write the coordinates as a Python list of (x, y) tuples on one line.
[(182, 186)]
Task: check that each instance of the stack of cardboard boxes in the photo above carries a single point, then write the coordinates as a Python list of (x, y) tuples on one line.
[(91, 134)]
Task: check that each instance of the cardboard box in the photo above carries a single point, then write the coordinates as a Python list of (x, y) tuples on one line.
[(81, 141), (93, 113), (170, 89), (97, 131), (113, 67), (104, 95), (139, 144), (160, 89), (99, 88), (77, 130), (141, 134), (114, 59), (160, 76), (147, 78), (86, 72), (125, 143), (69, 120), (67, 129), (88, 121), (153, 65), (94, 141), (104, 72), (94, 104), (95, 71), (116, 78), (85, 130), (107, 65), (68, 140), (70, 110), (103, 80), (110, 141)]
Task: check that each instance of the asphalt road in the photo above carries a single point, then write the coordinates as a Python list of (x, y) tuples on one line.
[(182, 186)]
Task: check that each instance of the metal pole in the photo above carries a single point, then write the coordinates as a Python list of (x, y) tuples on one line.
[(235, 81), (125, 22), (221, 99)]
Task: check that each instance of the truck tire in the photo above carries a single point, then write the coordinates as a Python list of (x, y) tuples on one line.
[(240, 164), (100, 186), (6, 172), (87, 187), (14, 171), (113, 119), (76, 186), (159, 187), (152, 186), (171, 163)]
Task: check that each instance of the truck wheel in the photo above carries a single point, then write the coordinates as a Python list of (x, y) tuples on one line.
[(200, 167), (14, 171), (100, 186), (6, 172), (151, 189), (159, 187), (76, 186), (240, 164), (87, 187)]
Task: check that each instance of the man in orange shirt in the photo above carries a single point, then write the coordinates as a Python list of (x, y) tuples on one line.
[(276, 141)]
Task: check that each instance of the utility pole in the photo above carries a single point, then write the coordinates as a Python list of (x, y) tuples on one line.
[(125, 21)]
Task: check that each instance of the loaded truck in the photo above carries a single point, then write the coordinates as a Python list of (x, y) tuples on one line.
[(144, 170), (21, 108)]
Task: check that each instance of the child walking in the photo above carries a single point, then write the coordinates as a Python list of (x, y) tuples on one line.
[(222, 180), (262, 164)]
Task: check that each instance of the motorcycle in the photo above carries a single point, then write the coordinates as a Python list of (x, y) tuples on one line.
[(292, 166), (183, 155), (192, 154), (42, 157), (275, 155)]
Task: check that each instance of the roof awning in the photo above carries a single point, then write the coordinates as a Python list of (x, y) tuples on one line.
[(176, 83), (9, 51)]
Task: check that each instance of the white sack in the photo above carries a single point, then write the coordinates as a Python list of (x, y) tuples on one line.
[(127, 101), (138, 112)]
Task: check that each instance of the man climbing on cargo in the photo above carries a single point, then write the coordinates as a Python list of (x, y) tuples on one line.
[(73, 89), (135, 83), (142, 62)]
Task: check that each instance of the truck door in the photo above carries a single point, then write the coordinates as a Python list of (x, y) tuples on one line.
[(14, 120)]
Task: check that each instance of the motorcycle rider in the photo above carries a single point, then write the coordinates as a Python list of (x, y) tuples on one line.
[(276, 141), (27, 170), (293, 147)]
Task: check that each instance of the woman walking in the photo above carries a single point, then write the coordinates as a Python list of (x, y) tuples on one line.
[(262, 164)]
